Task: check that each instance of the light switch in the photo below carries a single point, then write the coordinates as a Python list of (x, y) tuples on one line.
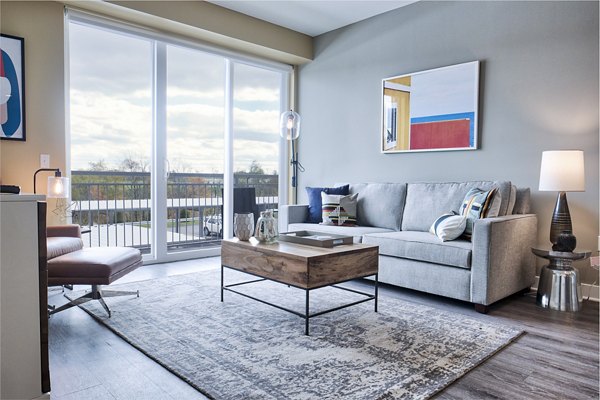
[(44, 160)]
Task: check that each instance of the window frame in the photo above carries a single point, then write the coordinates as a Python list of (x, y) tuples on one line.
[(160, 41)]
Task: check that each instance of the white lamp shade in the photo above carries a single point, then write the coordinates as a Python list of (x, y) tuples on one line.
[(562, 171), (289, 125), (58, 187)]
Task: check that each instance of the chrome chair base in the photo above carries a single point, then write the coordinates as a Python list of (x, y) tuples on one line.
[(95, 294), (559, 289)]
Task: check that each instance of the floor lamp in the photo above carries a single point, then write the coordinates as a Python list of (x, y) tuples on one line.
[(289, 129)]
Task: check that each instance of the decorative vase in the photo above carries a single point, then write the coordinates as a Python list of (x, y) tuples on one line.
[(243, 225), (565, 242), (266, 227)]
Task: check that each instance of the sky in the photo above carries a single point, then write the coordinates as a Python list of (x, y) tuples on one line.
[(111, 105), (453, 88)]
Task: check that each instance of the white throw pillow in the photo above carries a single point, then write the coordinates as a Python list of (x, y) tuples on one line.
[(449, 226)]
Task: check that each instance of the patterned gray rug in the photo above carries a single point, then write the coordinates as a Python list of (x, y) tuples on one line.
[(242, 349)]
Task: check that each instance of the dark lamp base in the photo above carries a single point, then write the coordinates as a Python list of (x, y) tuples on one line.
[(561, 220), (566, 242)]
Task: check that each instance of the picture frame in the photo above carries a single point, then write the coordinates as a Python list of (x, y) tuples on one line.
[(12, 88), (431, 110)]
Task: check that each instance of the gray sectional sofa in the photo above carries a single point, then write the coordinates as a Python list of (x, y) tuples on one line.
[(496, 263)]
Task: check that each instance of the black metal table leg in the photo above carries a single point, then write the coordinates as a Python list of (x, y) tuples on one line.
[(376, 289), (307, 315), (221, 283)]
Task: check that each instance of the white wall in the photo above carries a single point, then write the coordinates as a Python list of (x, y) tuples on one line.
[(539, 91)]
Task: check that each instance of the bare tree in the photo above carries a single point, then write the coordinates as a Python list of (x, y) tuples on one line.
[(134, 163), (99, 165)]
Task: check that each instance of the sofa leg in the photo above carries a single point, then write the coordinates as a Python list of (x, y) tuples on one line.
[(480, 308)]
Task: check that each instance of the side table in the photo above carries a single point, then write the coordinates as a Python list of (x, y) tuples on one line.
[(559, 287)]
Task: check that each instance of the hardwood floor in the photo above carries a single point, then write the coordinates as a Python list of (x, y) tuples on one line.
[(556, 359)]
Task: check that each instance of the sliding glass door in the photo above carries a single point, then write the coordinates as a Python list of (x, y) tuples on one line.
[(111, 136), (195, 148), (163, 132), (256, 141)]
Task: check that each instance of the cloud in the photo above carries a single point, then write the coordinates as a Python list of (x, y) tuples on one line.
[(111, 105), (265, 121), (176, 94), (257, 94), (195, 133)]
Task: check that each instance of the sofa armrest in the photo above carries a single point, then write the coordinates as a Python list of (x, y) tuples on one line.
[(64, 231), (292, 214), (502, 262)]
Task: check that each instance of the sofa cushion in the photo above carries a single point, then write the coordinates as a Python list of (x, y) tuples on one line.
[(380, 204), (339, 210), (314, 200), (422, 246), (522, 201), (57, 246), (427, 201), (511, 200), (356, 232)]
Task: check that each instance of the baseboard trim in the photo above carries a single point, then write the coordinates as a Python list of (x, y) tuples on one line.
[(590, 292)]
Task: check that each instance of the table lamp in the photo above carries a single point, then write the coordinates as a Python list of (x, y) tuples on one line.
[(562, 171), (58, 185)]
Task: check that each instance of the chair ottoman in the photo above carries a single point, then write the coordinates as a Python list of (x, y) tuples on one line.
[(93, 266)]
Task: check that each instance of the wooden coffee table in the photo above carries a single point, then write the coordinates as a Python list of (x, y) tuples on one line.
[(303, 267)]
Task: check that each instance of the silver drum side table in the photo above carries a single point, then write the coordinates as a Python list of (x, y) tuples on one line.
[(559, 287)]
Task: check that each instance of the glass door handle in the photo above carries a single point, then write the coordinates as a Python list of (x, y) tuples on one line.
[(167, 169)]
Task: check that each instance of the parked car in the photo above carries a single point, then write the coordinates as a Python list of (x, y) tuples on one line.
[(213, 225)]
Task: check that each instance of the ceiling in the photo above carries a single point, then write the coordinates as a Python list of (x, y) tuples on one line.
[(312, 17)]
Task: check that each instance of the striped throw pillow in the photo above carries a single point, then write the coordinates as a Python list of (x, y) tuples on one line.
[(475, 206), (449, 226), (338, 209)]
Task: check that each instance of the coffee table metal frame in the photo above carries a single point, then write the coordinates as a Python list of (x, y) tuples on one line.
[(306, 315)]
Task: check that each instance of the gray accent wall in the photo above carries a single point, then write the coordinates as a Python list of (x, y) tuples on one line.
[(538, 91)]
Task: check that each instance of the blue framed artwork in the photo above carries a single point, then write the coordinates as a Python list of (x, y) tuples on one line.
[(12, 88)]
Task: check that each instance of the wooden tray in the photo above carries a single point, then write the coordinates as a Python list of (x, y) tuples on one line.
[(318, 239)]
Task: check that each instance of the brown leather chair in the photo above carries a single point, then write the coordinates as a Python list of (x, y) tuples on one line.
[(71, 264), (63, 239)]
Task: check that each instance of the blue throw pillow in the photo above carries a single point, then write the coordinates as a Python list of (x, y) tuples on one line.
[(314, 201)]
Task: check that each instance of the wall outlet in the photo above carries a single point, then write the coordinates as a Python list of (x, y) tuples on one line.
[(44, 160)]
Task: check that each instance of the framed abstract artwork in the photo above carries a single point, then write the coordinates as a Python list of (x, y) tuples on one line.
[(433, 110), (12, 88)]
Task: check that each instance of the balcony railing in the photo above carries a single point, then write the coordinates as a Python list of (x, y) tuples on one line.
[(116, 207)]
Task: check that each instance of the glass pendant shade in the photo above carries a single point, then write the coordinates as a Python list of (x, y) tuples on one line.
[(58, 187), (289, 125)]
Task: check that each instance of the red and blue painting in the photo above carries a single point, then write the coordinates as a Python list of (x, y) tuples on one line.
[(435, 109)]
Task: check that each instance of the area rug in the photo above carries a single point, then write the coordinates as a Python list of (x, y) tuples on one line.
[(243, 349)]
